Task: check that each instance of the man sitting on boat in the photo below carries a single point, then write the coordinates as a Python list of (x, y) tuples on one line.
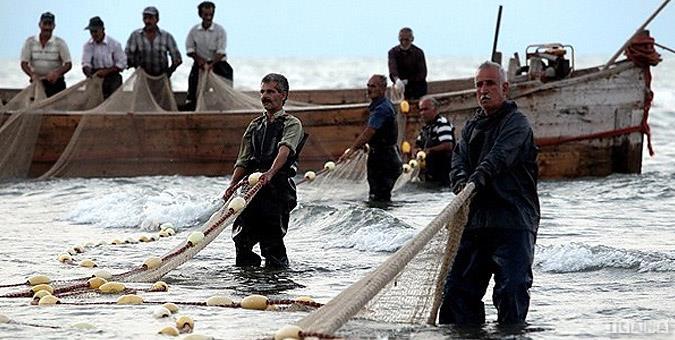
[(436, 140), (271, 144), (150, 47), (102, 56), (206, 44), (408, 65), (497, 153), (46, 57), (381, 134)]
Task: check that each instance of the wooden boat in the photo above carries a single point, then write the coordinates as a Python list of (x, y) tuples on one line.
[(588, 124)]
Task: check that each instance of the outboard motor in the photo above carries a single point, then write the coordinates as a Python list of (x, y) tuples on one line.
[(548, 62)]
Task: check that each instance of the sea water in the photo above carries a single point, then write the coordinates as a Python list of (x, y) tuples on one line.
[(604, 260)]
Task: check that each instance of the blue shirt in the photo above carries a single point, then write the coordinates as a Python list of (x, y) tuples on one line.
[(382, 118)]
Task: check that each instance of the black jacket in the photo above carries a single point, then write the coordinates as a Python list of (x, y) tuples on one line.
[(498, 153)]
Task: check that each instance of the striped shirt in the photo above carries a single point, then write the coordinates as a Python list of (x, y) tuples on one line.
[(206, 42), (45, 59), (152, 56), (435, 133), (106, 54)]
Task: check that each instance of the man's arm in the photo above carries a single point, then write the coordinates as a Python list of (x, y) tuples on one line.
[(360, 141), (393, 66), (175, 54), (279, 161)]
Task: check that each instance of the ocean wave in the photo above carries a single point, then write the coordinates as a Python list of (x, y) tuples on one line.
[(579, 257), (352, 226)]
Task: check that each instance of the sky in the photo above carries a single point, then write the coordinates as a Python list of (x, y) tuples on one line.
[(310, 29)]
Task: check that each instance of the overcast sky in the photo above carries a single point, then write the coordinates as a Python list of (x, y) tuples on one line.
[(355, 28)]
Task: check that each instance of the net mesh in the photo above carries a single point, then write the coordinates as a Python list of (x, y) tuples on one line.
[(215, 93), (407, 286)]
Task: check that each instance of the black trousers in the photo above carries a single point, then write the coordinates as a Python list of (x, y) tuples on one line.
[(111, 83), (505, 253), (384, 167), (54, 88), (265, 221), (221, 68), (415, 89)]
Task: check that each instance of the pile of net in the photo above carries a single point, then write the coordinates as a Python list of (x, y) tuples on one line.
[(407, 287)]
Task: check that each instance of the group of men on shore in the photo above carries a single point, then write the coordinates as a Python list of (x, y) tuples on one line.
[(46, 57), (496, 152)]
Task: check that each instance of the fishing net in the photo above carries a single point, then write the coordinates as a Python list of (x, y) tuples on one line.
[(215, 93), (407, 287)]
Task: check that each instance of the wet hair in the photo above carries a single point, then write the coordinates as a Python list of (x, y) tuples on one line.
[(491, 64), (433, 101), (280, 80), (381, 78), (205, 5)]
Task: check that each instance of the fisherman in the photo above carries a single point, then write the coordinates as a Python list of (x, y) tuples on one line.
[(46, 57), (436, 140), (271, 145), (149, 47), (103, 57), (408, 65), (206, 44), (381, 134), (497, 153)]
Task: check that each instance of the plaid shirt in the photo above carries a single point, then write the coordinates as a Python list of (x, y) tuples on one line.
[(152, 56)]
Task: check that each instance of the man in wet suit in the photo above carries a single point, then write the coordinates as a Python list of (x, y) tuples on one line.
[(436, 139), (381, 134), (497, 153), (271, 145)]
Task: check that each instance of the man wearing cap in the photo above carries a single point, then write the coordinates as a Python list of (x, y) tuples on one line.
[(46, 57), (206, 45), (149, 47), (103, 57)]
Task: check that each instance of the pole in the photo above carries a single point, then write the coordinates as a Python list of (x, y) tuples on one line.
[(494, 44), (642, 27)]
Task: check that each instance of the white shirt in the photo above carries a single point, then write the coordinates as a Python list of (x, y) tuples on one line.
[(43, 60), (207, 42), (106, 54)]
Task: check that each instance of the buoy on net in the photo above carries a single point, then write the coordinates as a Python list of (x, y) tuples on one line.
[(152, 262), (161, 312), (83, 325), (129, 299), (405, 106), (304, 299), (254, 178), (48, 300), (169, 330), (219, 300), (4, 318), (185, 324), (236, 204), (406, 168), (197, 337), (130, 240), (144, 238), (330, 165), (163, 233), (79, 248), (111, 288), (87, 263), (412, 163), (288, 332), (43, 286), (102, 273), (256, 302), (39, 294), (310, 175), (96, 282), (405, 147), (64, 257), (195, 238), (38, 280), (165, 226), (171, 307), (159, 286), (421, 155)]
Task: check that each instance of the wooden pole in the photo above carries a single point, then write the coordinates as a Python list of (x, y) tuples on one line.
[(642, 27), (494, 43)]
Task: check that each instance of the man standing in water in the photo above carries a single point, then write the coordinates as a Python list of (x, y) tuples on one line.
[(497, 153), (206, 45), (436, 139), (46, 57), (381, 134), (271, 145)]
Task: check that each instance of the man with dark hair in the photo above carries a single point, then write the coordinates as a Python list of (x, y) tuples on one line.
[(436, 140), (46, 57), (408, 65), (497, 153), (381, 134), (150, 47), (103, 57), (271, 144), (206, 44)]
